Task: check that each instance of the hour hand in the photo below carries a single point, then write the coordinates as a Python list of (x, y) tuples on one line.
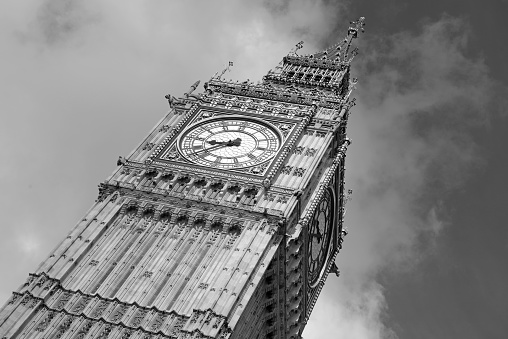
[(215, 142), (235, 142)]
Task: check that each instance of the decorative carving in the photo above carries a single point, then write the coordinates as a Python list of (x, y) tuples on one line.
[(118, 313), (105, 332), (138, 318), (26, 299), (33, 302), (15, 297), (148, 146), (62, 301), (30, 280), (259, 169), (84, 330), (45, 322), (335, 270), (49, 284), (299, 150), (269, 197), (80, 305), (310, 152), (176, 328), (164, 128), (287, 169), (282, 199), (41, 281), (126, 334), (284, 128), (63, 327), (299, 171), (171, 154), (158, 321), (97, 312)]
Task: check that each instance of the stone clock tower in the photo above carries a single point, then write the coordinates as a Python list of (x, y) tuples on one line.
[(224, 223)]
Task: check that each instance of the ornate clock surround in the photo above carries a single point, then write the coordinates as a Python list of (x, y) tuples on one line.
[(230, 142), (167, 155)]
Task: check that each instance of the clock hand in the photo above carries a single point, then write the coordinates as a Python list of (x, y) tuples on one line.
[(235, 142), (215, 142), (220, 144), (319, 235), (211, 148)]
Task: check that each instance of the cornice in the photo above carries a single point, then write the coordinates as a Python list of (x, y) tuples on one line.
[(284, 93)]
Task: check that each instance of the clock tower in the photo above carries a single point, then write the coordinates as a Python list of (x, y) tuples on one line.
[(223, 223)]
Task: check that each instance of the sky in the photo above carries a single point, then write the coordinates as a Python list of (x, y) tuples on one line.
[(426, 255)]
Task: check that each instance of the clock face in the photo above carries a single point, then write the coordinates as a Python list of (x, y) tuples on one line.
[(319, 236), (229, 142)]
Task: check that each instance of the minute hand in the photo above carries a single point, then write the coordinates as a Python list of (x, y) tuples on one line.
[(211, 148)]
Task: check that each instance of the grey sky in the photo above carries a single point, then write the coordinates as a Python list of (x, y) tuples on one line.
[(83, 82)]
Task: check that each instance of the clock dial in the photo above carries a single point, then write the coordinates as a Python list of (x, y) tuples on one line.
[(229, 142), (319, 236)]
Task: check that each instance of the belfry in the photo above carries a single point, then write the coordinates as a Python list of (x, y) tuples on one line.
[(224, 222)]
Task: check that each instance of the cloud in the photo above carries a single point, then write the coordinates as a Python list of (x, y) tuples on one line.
[(57, 23), (28, 244), (420, 98)]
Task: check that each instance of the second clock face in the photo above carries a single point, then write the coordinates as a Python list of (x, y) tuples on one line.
[(229, 142), (320, 232)]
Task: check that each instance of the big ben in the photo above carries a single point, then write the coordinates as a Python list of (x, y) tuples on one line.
[(224, 222)]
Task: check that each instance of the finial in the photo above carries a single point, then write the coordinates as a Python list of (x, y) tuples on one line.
[(355, 26), (296, 48), (192, 89), (352, 33), (121, 161), (334, 269), (341, 50), (171, 100), (230, 64)]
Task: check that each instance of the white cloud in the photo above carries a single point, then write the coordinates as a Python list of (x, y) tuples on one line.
[(29, 245)]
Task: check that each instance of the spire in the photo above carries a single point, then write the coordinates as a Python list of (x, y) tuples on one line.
[(341, 51)]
